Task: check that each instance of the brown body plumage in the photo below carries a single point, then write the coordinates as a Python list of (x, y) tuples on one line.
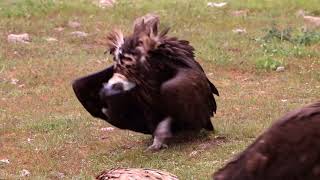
[(288, 150), (155, 85)]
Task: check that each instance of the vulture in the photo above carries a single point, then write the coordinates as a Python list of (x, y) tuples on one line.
[(289, 149), (135, 173), (154, 86)]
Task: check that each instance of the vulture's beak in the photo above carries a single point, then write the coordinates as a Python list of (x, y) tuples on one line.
[(118, 84)]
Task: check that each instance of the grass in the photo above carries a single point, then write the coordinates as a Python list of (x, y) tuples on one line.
[(64, 138)]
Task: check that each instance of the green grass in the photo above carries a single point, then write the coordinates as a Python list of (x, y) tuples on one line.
[(66, 139)]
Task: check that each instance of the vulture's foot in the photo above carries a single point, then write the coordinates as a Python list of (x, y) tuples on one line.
[(156, 145), (161, 134)]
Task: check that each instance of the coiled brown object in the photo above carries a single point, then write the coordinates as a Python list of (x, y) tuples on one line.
[(135, 174)]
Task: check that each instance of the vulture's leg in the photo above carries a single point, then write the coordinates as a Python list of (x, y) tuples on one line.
[(161, 134)]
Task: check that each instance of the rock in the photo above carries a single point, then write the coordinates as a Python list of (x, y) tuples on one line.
[(239, 31), (219, 5), (240, 13), (21, 85), (193, 153), (300, 13), (51, 39), (19, 38), (312, 21), (79, 34), (280, 69), (14, 81), (106, 3), (74, 24), (60, 175), (4, 161), (24, 173), (57, 175), (107, 129), (59, 29)]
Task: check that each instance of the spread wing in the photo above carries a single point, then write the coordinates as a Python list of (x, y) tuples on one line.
[(87, 91), (188, 98)]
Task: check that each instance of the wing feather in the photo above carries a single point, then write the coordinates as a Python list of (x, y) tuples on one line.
[(87, 91), (188, 99)]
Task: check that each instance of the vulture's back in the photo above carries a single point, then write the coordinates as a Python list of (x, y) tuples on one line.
[(290, 149)]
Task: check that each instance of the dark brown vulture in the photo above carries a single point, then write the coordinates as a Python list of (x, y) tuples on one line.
[(135, 174), (288, 150), (155, 85)]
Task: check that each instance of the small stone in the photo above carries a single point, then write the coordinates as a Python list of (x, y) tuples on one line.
[(58, 175), (79, 34), (4, 161), (107, 129), (239, 31), (219, 5), (19, 38), (59, 29), (280, 69), (193, 153), (300, 13), (106, 3), (14, 81), (312, 21), (284, 100), (29, 140), (24, 173), (51, 39), (239, 13), (74, 24)]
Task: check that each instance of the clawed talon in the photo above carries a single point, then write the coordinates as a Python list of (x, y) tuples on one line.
[(161, 134), (156, 147)]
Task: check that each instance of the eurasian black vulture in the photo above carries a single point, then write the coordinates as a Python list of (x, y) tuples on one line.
[(288, 150), (155, 85)]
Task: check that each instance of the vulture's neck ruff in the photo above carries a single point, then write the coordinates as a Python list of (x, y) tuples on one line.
[(148, 58)]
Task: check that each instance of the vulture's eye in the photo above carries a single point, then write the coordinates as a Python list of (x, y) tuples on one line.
[(140, 43), (128, 59)]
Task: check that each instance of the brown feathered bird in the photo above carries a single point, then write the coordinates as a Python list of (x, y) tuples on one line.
[(155, 85), (288, 150), (135, 174)]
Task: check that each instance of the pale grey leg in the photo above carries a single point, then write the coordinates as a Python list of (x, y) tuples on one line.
[(161, 134)]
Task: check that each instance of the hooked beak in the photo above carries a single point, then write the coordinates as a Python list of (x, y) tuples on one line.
[(118, 84)]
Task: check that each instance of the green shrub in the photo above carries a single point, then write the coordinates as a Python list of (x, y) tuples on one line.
[(296, 37), (267, 63)]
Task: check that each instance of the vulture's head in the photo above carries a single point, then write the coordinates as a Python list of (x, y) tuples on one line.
[(130, 53)]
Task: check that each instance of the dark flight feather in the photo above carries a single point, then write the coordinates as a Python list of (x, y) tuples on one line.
[(87, 91)]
